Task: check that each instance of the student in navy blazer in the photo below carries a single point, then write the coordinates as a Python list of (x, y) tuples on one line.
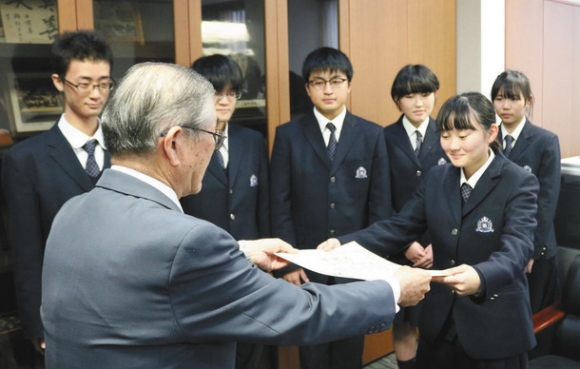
[(538, 151), (315, 197), (479, 316), (234, 193), (43, 172), (414, 147)]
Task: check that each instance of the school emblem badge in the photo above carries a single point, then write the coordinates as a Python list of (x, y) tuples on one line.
[(253, 181), (360, 173), (441, 161), (484, 225)]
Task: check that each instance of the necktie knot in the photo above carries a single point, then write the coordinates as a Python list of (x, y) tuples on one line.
[(418, 142), (465, 191), (332, 143), (509, 145), (92, 168)]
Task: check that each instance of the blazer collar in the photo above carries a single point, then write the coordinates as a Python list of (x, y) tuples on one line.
[(117, 181), (350, 133), (485, 184), (64, 156), (314, 137)]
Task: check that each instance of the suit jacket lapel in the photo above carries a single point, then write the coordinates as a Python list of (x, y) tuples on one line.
[(522, 143), (429, 141), (216, 169), (485, 184), (314, 137), (235, 147), (452, 193), (401, 139), (349, 134), (64, 156)]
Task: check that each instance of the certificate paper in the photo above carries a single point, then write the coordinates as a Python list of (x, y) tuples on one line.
[(350, 260)]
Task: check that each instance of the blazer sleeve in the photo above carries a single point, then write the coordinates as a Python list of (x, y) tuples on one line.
[(504, 266), (390, 236), (26, 238), (217, 295), (549, 177), (380, 206), (281, 189)]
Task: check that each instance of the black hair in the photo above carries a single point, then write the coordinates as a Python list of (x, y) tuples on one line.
[(412, 79), (326, 59), (460, 111), (511, 84), (221, 71), (80, 45)]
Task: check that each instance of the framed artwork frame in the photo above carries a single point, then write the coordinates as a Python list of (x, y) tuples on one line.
[(34, 103)]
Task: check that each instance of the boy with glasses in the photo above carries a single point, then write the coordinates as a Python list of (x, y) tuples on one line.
[(40, 174), (234, 193), (330, 177)]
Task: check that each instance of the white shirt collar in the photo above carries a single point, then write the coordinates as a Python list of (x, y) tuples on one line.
[(516, 133), (477, 175), (165, 189), (77, 138), (410, 128), (337, 121)]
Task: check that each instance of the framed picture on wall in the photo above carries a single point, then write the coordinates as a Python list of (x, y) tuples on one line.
[(34, 102)]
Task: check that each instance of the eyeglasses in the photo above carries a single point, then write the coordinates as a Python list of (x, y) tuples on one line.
[(218, 137), (320, 84), (87, 88), (231, 95)]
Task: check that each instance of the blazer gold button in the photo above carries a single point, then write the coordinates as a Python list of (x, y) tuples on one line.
[(452, 262), (332, 232), (454, 232), (333, 179), (332, 205), (419, 173), (231, 191), (232, 216)]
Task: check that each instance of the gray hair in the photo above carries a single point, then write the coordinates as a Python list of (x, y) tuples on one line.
[(150, 99)]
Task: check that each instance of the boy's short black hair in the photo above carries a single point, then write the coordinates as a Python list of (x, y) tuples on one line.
[(413, 79), (221, 71), (326, 59), (80, 45)]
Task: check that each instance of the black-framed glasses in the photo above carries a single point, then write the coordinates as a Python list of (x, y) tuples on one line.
[(86, 88), (231, 95), (320, 83), (218, 137)]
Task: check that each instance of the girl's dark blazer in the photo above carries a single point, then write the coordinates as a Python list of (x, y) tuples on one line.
[(408, 170), (538, 151), (493, 232)]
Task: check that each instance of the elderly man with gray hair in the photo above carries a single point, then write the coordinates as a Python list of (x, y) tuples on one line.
[(129, 281)]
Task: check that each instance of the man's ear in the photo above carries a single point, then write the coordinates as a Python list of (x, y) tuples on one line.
[(171, 145), (57, 82)]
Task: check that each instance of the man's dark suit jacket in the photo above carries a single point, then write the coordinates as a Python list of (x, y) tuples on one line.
[(538, 151), (408, 170), (313, 199), (159, 288), (237, 201), (38, 176), (493, 232)]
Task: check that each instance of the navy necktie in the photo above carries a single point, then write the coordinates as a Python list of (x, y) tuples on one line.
[(332, 143), (220, 159), (509, 145), (465, 191), (418, 142), (92, 168)]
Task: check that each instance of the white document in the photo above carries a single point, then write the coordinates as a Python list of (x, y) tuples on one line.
[(350, 260)]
